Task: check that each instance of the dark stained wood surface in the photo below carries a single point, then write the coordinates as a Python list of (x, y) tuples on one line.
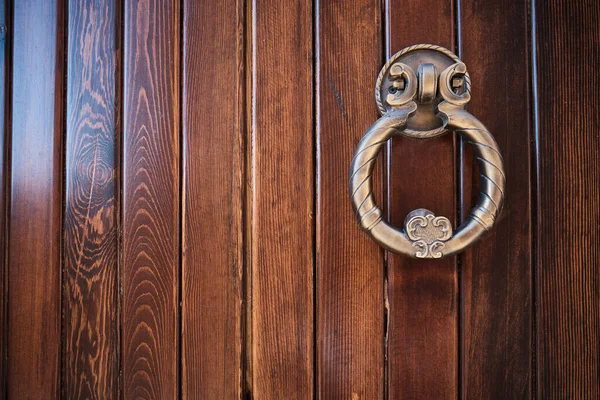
[(282, 231), (423, 294), (349, 282), (197, 240), (151, 202), (90, 280), (568, 241), (213, 158), (34, 242), (496, 320), (5, 84)]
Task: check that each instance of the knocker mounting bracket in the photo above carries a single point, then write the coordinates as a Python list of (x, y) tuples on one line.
[(428, 62)]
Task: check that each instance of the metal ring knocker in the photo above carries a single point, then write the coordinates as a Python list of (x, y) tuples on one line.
[(425, 105)]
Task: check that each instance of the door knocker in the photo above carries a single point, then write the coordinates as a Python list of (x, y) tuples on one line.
[(417, 102)]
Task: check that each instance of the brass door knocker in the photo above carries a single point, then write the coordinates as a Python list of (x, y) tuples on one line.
[(423, 104)]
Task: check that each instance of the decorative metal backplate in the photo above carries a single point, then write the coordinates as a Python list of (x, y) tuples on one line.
[(423, 123)]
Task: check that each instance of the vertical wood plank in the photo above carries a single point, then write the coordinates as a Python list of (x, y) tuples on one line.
[(213, 129), (349, 265), (423, 308), (282, 200), (34, 289), (5, 101), (90, 280), (496, 272), (151, 199), (568, 115)]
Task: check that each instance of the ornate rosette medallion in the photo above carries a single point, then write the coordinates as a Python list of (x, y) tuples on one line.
[(428, 233)]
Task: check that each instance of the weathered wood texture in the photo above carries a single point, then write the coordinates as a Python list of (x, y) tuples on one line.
[(349, 281), (423, 307), (496, 287), (34, 288), (151, 199), (213, 158), (568, 274), (282, 200), (90, 280)]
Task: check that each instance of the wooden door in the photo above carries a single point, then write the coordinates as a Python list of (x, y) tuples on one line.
[(176, 219)]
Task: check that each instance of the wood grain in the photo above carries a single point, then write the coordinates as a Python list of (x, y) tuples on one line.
[(282, 200), (34, 247), (496, 272), (5, 85), (350, 318), (213, 159), (568, 240), (90, 280), (151, 199), (423, 307)]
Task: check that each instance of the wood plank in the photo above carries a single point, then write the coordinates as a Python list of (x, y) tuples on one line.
[(350, 318), (90, 280), (213, 159), (568, 240), (5, 85), (282, 200), (496, 272), (423, 309), (34, 247), (151, 200)]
